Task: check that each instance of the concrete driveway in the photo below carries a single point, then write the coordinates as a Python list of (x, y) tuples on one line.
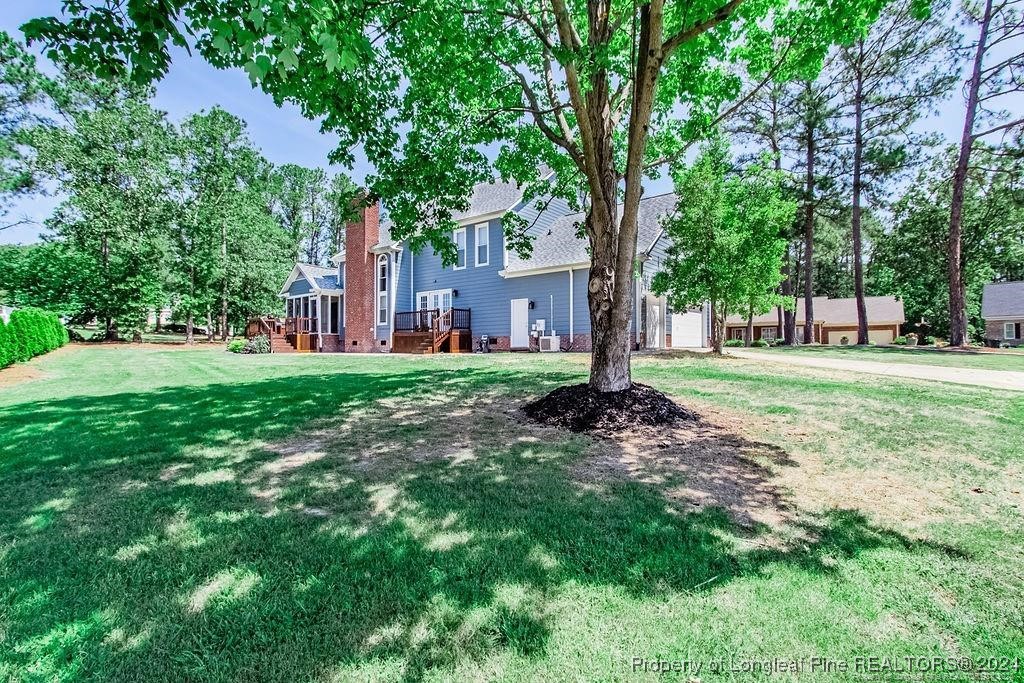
[(995, 379)]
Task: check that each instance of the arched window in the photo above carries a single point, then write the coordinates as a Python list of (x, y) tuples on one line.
[(382, 290)]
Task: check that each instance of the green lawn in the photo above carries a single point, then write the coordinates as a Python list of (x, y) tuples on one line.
[(1006, 359), (196, 515)]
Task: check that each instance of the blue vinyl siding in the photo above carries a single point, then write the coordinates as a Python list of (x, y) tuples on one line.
[(300, 287), (488, 295)]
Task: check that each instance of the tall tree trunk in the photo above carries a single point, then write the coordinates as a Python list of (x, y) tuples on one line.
[(190, 333), (788, 327), (109, 333), (209, 325), (613, 239), (224, 282), (717, 327), (858, 160), (957, 293), (809, 238), (749, 335)]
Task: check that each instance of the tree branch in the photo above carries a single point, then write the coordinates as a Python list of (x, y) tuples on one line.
[(686, 35)]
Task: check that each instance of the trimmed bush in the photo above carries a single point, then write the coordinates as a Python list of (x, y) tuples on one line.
[(236, 345), (260, 344), (733, 342), (900, 341), (31, 332), (759, 343)]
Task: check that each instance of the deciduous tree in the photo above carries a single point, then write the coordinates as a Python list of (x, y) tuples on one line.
[(727, 242)]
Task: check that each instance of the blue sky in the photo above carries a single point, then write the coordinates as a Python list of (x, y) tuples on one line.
[(283, 134)]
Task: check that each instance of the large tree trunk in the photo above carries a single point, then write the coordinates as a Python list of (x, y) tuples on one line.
[(609, 294), (809, 238), (858, 159), (190, 333), (957, 294), (209, 325)]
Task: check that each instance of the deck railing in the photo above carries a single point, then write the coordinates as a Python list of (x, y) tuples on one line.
[(433, 320), (300, 325)]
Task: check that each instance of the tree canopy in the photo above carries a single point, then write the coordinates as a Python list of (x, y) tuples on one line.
[(604, 92)]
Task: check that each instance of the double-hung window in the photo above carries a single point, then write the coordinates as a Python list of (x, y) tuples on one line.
[(768, 333), (483, 245), (382, 290), (460, 248), (1009, 331)]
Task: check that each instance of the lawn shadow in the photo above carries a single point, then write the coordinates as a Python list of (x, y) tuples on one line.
[(305, 526)]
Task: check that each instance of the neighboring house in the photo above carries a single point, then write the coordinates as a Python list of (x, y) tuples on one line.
[(381, 296), (1002, 307), (834, 319)]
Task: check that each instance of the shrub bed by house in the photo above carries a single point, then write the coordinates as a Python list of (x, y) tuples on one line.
[(30, 332)]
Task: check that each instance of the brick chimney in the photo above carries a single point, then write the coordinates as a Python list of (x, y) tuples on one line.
[(360, 235)]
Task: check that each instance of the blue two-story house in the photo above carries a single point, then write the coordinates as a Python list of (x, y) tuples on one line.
[(381, 296)]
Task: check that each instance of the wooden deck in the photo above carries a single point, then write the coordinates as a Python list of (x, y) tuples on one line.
[(431, 330)]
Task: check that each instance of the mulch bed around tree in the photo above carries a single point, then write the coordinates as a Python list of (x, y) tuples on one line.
[(579, 408)]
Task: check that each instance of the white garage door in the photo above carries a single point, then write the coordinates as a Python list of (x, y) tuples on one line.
[(687, 329), (880, 336)]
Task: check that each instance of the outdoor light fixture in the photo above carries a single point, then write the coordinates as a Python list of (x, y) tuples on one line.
[(531, 305), (455, 293)]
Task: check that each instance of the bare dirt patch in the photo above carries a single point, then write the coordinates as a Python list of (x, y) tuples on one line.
[(700, 463), (26, 372)]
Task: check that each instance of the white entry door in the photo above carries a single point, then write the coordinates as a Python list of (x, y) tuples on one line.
[(520, 333)]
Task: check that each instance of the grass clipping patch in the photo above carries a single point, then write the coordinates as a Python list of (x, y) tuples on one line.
[(579, 408)]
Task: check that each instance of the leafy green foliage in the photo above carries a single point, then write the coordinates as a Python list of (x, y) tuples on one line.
[(236, 345), (257, 345), (726, 239), (31, 332), (733, 343), (112, 162), (911, 259), (21, 87)]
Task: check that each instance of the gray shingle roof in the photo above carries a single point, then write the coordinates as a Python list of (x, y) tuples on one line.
[(490, 198), (325, 278), (560, 245), (881, 309), (487, 198), (1003, 300)]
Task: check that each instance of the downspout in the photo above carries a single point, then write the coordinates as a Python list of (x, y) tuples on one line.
[(394, 300), (571, 335)]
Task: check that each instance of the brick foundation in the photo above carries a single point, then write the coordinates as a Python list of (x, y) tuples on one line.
[(331, 343)]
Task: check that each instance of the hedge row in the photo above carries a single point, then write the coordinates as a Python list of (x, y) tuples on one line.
[(31, 332)]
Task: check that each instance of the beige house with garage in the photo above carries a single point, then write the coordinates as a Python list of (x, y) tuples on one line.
[(835, 321)]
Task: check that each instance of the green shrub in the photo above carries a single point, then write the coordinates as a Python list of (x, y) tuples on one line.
[(31, 332), (260, 344), (733, 342), (929, 340), (236, 345), (900, 341), (759, 343), (5, 360)]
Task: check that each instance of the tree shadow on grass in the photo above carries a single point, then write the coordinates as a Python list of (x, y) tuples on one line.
[(299, 528)]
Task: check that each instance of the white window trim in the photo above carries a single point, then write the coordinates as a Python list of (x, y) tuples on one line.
[(465, 240), (429, 293), (775, 332), (1009, 330), (485, 229), (376, 279)]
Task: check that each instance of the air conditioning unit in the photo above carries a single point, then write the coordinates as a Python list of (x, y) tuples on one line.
[(548, 344)]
